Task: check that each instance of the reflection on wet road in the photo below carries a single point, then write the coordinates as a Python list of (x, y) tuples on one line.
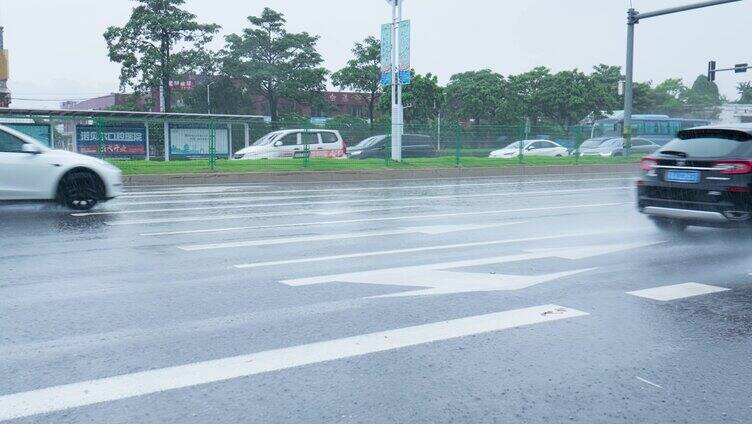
[(536, 300)]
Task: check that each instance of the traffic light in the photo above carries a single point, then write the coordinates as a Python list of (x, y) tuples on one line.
[(711, 70), (741, 68)]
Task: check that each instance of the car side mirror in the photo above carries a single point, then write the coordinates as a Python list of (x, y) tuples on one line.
[(278, 143), (529, 148), (31, 149)]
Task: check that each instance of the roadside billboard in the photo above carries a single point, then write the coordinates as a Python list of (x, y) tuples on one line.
[(119, 141), (194, 141), (40, 132)]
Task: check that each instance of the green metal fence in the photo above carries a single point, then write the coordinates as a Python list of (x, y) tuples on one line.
[(214, 144)]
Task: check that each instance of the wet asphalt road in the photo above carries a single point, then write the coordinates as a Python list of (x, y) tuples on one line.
[(113, 316)]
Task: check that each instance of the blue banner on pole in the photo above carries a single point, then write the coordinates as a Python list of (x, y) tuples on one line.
[(386, 54), (405, 78)]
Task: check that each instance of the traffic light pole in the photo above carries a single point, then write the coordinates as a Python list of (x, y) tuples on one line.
[(739, 69), (633, 18)]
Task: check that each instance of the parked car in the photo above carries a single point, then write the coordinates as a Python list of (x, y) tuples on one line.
[(294, 143), (30, 170), (590, 145), (703, 178), (614, 147), (531, 148), (413, 146)]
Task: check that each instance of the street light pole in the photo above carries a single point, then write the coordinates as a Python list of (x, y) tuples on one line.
[(633, 18), (208, 97), (629, 83), (396, 88)]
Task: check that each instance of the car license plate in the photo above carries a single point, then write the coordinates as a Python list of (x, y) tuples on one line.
[(691, 177)]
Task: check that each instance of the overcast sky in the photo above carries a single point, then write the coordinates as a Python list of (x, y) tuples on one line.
[(57, 49)]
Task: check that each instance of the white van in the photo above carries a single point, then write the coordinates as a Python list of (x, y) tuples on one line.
[(295, 143)]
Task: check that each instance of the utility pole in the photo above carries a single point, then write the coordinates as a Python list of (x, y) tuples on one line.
[(208, 97), (634, 18), (397, 112)]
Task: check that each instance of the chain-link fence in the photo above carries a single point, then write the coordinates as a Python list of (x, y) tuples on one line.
[(211, 144)]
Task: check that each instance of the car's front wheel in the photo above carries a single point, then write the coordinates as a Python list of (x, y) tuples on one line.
[(80, 190), (670, 225)]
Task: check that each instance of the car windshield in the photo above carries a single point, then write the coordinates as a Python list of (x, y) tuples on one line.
[(369, 142), (593, 143), (267, 139), (515, 145), (706, 147)]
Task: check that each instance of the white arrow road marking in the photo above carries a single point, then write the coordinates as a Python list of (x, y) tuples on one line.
[(429, 230), (437, 280), (60, 398), (678, 291)]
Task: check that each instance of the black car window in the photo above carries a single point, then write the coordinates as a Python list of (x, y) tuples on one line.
[(537, 145), (415, 140), (637, 142), (709, 147), (309, 138), (328, 137), (10, 144), (290, 139)]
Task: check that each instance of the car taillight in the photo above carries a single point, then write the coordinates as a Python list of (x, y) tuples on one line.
[(734, 167), (648, 164)]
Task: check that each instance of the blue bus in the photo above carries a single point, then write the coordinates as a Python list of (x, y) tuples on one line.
[(658, 128)]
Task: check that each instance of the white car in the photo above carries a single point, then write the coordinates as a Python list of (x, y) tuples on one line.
[(531, 148), (295, 143), (30, 170)]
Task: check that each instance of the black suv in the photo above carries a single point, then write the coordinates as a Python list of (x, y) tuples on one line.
[(702, 178)]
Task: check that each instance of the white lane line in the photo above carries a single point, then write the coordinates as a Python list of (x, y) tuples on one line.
[(625, 174), (648, 382), (60, 398), (344, 202), (360, 189), (202, 218), (678, 291), (423, 249), (429, 230), (225, 200), (352, 221)]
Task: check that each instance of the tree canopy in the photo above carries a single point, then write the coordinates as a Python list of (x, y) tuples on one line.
[(159, 42), (275, 63), (362, 73)]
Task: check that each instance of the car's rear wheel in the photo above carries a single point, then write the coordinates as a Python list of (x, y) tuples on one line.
[(80, 190), (670, 225)]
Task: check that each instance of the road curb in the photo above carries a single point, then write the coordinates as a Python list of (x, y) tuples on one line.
[(365, 175)]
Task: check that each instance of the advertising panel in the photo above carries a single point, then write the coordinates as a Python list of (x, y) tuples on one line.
[(119, 141), (40, 132), (194, 141)]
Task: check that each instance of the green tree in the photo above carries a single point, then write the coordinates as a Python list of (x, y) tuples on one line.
[(745, 91), (704, 99), (275, 63), (362, 73), (159, 42), (605, 80), (227, 96), (704, 93), (423, 98), (525, 94), (567, 97), (475, 95)]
